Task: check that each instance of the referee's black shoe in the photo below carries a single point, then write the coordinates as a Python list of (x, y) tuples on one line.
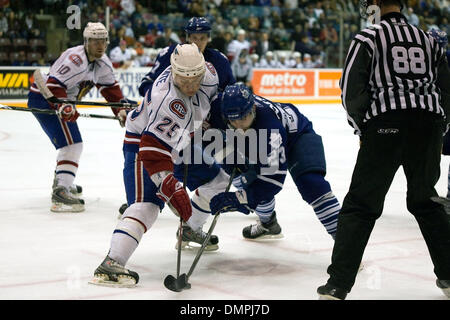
[(444, 285), (330, 292)]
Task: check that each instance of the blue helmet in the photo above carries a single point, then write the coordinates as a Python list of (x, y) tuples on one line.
[(440, 37), (198, 25), (237, 101)]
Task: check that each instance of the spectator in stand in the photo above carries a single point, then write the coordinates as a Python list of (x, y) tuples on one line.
[(296, 60), (169, 38), (268, 61), (142, 59), (21, 60), (283, 62), (155, 24), (237, 45), (121, 56), (264, 44), (254, 58), (307, 61), (242, 68), (303, 45), (3, 23), (140, 29), (317, 61), (412, 17), (329, 37), (219, 41), (150, 39)]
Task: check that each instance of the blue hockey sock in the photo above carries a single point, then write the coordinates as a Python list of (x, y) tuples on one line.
[(327, 210), (265, 210)]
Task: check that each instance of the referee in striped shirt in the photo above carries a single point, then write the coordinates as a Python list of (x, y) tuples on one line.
[(396, 92)]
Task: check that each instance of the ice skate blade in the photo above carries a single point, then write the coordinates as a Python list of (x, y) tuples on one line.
[(188, 246), (267, 237), (124, 282), (61, 207), (327, 297)]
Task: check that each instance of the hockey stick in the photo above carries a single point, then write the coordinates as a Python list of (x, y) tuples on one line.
[(181, 282), (169, 280), (53, 112), (48, 95)]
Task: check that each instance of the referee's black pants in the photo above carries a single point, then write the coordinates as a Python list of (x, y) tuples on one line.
[(411, 139)]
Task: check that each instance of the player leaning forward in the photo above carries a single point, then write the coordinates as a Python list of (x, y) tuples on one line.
[(179, 102), (72, 75)]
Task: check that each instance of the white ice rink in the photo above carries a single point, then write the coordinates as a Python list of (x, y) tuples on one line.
[(44, 255)]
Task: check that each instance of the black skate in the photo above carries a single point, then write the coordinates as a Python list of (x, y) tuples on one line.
[(65, 201), (329, 292), (444, 285), (190, 237), (111, 274), (263, 231)]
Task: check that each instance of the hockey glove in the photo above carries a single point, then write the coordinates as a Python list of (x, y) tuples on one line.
[(229, 201), (172, 192), (123, 112), (247, 177), (67, 112)]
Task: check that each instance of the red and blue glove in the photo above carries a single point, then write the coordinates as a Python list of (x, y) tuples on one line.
[(172, 192), (67, 112)]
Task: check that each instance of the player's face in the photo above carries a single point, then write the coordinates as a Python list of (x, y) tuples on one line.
[(245, 122), (97, 47), (188, 85), (200, 39)]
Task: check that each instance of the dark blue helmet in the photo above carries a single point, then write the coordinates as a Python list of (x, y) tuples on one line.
[(198, 25), (440, 37), (237, 101)]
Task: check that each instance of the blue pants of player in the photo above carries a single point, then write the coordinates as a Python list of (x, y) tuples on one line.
[(65, 137), (307, 166)]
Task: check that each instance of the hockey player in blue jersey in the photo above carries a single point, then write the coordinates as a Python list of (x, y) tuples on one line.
[(295, 146), (198, 31)]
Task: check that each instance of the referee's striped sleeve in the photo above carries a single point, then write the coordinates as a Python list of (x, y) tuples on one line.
[(354, 83)]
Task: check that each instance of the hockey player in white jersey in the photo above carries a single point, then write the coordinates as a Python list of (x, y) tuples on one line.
[(72, 75), (179, 102)]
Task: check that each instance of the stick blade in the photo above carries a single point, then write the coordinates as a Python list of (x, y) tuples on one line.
[(177, 284)]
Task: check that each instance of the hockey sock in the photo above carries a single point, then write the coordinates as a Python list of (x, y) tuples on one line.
[(327, 210), (125, 239), (200, 212), (316, 191), (67, 164), (265, 210)]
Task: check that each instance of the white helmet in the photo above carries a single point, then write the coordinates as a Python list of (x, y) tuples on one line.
[(95, 30), (187, 60)]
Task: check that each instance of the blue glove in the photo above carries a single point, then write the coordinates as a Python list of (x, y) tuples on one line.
[(227, 201), (247, 177)]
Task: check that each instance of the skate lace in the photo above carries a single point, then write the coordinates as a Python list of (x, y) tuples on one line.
[(257, 228)]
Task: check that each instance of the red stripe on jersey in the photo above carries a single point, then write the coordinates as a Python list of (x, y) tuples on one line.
[(154, 161), (56, 88), (111, 93), (60, 163)]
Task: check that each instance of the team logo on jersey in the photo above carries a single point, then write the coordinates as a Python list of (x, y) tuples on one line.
[(177, 106), (76, 59), (210, 68)]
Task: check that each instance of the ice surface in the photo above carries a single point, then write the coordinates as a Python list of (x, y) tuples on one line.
[(46, 255)]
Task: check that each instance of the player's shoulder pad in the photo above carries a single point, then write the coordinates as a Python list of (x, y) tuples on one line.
[(104, 61), (214, 54)]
